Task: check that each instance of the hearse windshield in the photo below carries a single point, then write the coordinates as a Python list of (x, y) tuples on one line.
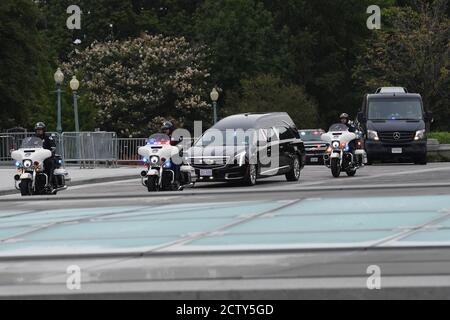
[(395, 109), (220, 138)]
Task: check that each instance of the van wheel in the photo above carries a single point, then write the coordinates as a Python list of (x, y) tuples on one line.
[(250, 176), (26, 188), (294, 174)]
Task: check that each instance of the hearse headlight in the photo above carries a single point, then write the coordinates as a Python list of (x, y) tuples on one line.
[(420, 135), (372, 135), (27, 163)]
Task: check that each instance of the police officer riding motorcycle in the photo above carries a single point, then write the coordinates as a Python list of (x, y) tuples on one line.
[(162, 156), (345, 119), (168, 128), (39, 169), (49, 144)]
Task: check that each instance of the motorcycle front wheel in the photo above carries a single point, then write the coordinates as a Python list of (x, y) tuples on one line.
[(152, 184), (26, 188), (335, 167)]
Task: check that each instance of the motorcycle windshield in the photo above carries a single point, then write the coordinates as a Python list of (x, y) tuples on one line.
[(158, 139), (338, 127), (32, 142)]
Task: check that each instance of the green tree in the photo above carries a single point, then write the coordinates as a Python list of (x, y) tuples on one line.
[(267, 93), (414, 52), (322, 39), (23, 63), (240, 34)]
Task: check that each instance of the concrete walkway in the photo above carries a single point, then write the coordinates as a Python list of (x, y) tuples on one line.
[(79, 176)]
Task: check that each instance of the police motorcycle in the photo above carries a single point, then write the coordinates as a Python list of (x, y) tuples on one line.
[(345, 152), (31, 178), (164, 168)]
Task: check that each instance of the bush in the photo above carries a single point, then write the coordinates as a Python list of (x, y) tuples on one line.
[(138, 83), (442, 137)]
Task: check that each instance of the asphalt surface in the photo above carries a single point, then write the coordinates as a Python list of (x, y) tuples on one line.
[(312, 239)]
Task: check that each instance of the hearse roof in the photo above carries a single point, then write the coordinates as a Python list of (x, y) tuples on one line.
[(255, 120)]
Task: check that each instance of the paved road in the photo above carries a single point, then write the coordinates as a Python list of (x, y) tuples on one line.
[(312, 176), (278, 239)]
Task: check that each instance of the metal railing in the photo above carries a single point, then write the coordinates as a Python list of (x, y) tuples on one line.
[(87, 149), (127, 150)]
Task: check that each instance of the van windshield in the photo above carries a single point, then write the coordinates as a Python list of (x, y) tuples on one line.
[(395, 109)]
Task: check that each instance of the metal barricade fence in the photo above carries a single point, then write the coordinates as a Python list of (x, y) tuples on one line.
[(87, 149), (127, 150), (90, 148)]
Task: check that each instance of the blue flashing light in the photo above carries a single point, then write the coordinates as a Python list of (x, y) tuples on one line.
[(145, 160), (168, 164), (18, 164), (347, 148)]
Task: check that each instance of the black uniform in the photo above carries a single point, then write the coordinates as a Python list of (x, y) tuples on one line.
[(351, 127), (352, 144), (49, 164)]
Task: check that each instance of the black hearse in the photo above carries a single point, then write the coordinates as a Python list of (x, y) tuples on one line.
[(395, 125), (245, 147)]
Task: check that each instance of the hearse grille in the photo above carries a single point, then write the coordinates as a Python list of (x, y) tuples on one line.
[(209, 163)]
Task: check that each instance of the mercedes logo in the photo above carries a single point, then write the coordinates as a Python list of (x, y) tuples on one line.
[(397, 135)]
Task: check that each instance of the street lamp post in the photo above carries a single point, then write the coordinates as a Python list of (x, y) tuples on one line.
[(59, 79), (214, 98), (75, 85)]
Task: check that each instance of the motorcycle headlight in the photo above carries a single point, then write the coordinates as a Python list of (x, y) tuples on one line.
[(154, 160), (240, 158), (335, 144), (420, 135), (372, 135), (27, 163)]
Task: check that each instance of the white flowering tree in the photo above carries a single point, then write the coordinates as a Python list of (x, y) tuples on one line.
[(137, 83)]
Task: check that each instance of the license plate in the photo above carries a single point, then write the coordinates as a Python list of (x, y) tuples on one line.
[(206, 173), (314, 159), (397, 150)]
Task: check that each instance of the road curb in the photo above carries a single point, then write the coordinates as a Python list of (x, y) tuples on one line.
[(82, 182)]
